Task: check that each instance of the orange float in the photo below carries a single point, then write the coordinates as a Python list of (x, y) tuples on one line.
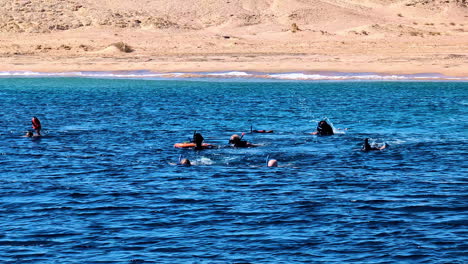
[(192, 145)]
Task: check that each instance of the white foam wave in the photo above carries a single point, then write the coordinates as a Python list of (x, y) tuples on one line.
[(87, 74), (335, 76), (303, 76), (18, 73), (233, 73)]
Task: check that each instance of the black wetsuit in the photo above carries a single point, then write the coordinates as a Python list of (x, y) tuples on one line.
[(324, 129), (198, 140), (241, 144), (368, 147), (238, 143)]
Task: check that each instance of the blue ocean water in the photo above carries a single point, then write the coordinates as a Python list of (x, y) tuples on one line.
[(101, 186)]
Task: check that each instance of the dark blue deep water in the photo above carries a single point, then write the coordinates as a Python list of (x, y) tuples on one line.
[(101, 185)]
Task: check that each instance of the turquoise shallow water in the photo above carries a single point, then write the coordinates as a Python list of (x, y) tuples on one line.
[(101, 187)]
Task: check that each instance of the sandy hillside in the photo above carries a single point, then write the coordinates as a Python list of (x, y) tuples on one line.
[(394, 36)]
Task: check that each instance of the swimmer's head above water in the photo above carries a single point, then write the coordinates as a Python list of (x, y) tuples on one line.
[(185, 162), (234, 139), (237, 141), (324, 129), (272, 163)]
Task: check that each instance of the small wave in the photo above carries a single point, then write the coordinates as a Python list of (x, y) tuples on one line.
[(233, 74), (25, 243), (90, 74), (303, 76)]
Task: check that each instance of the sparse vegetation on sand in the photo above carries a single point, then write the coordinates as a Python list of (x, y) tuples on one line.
[(294, 28), (257, 35), (123, 47)]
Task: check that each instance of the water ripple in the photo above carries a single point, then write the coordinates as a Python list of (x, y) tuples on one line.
[(101, 185)]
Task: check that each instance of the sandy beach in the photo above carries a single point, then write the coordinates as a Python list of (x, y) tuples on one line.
[(393, 37)]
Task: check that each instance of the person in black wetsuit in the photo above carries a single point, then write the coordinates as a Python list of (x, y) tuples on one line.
[(237, 142), (368, 147), (198, 140), (324, 129)]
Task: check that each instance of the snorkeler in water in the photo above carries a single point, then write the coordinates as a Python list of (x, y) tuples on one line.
[(272, 163), (368, 147), (185, 162), (198, 140), (237, 142), (324, 129), (182, 162), (196, 143), (259, 131), (36, 125)]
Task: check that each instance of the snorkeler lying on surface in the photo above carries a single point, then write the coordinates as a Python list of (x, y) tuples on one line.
[(237, 142), (260, 131), (368, 147), (185, 162)]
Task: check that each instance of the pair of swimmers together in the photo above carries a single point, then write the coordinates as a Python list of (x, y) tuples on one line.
[(186, 162), (235, 141), (197, 143), (324, 129), (36, 125)]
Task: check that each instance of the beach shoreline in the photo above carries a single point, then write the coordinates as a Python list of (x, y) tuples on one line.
[(225, 63), (236, 75)]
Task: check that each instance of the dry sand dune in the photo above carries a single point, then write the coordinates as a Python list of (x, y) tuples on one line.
[(399, 36)]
